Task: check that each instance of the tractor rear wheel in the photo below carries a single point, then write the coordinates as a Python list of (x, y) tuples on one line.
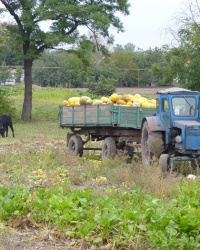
[(152, 144)]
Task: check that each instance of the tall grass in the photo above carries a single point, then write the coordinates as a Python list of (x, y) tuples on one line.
[(57, 95)]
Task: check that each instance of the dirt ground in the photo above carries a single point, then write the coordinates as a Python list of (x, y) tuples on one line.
[(149, 92), (42, 240)]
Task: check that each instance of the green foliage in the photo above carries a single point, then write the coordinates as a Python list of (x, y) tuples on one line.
[(125, 67), (104, 86), (6, 104), (9, 53), (67, 71), (11, 90), (5, 73), (183, 60), (112, 216)]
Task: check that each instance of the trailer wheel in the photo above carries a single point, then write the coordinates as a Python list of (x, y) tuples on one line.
[(108, 148), (75, 145), (164, 162), (152, 144)]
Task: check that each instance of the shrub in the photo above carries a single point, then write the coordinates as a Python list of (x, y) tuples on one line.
[(104, 86), (6, 105)]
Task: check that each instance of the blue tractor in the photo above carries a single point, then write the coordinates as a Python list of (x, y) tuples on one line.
[(173, 132)]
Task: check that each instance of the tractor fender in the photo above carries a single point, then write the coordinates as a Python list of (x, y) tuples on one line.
[(154, 123)]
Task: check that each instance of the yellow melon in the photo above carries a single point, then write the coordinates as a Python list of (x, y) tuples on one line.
[(121, 102), (114, 98), (73, 100), (136, 104), (65, 103), (89, 102), (131, 97), (140, 100), (105, 99), (153, 101), (84, 100), (146, 104), (129, 103), (137, 96), (126, 98), (96, 101), (120, 97)]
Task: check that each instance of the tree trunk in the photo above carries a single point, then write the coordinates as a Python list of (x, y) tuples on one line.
[(27, 106)]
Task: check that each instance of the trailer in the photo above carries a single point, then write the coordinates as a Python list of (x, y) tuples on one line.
[(119, 127)]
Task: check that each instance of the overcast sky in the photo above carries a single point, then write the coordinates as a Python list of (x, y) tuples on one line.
[(148, 20)]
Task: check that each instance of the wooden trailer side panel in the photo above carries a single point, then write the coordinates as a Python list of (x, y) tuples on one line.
[(103, 115)]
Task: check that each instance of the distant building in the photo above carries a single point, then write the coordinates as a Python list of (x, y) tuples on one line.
[(10, 81)]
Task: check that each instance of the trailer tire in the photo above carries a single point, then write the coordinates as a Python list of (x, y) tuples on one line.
[(152, 144), (108, 148), (75, 145), (164, 163)]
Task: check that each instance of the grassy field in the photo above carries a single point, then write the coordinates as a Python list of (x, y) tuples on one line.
[(51, 200)]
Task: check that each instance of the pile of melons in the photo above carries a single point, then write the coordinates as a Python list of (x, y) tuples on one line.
[(115, 99)]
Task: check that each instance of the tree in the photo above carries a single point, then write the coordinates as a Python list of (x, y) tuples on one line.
[(64, 17), (5, 73), (8, 54), (128, 46), (126, 72), (153, 64), (49, 69), (183, 60)]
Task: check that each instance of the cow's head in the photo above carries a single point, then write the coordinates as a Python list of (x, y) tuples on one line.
[(2, 131)]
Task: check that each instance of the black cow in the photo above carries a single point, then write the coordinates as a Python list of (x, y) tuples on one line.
[(5, 122)]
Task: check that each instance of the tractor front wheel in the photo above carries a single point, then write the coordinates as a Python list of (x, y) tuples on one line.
[(164, 163)]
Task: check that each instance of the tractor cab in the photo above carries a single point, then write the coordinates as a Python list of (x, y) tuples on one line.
[(178, 112), (175, 104)]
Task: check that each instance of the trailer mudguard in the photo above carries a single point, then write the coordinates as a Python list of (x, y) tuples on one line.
[(154, 123)]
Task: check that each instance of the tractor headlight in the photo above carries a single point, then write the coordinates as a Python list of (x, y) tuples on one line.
[(178, 139)]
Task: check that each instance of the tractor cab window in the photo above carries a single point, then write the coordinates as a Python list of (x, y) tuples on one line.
[(184, 106), (165, 105)]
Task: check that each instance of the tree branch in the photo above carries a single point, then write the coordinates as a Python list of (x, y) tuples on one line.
[(12, 13)]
